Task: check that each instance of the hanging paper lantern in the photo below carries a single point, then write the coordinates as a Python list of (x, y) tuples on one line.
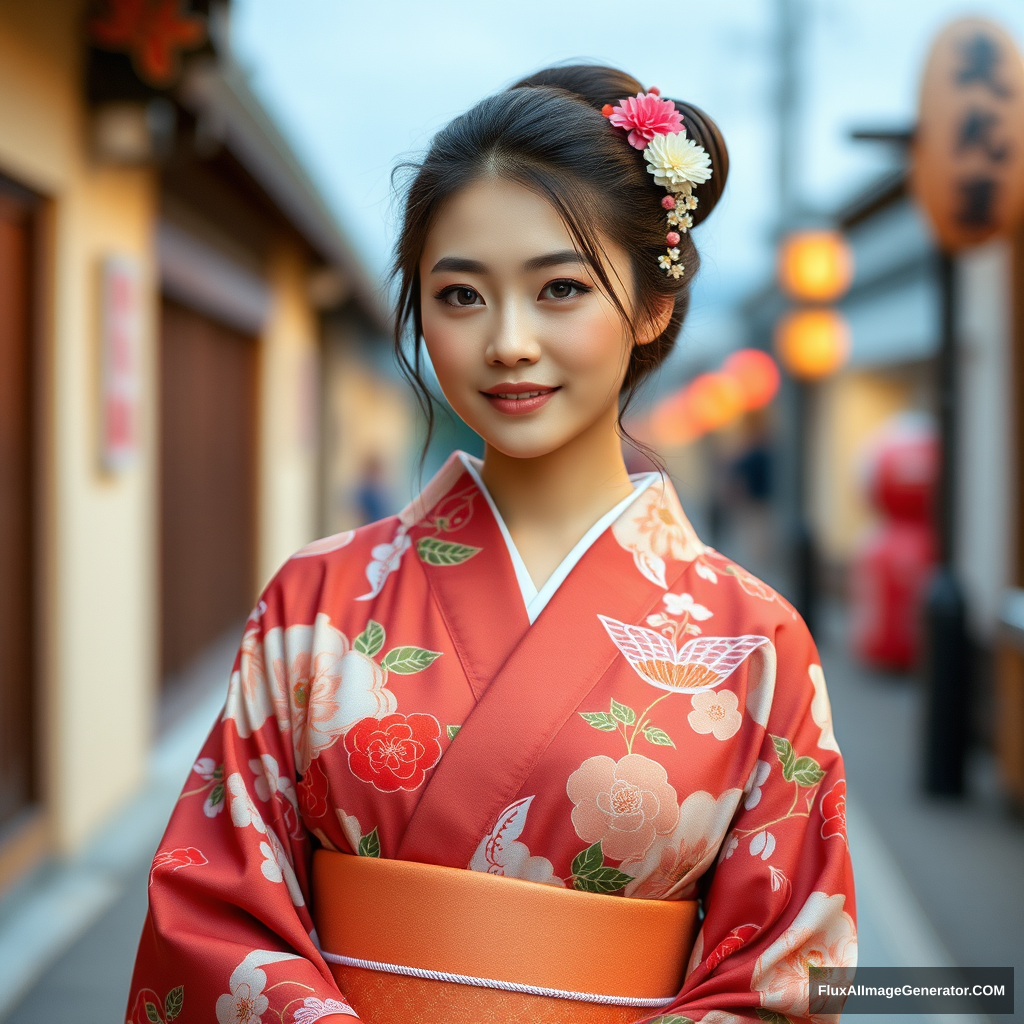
[(715, 400), (671, 423), (812, 343), (756, 374), (815, 266)]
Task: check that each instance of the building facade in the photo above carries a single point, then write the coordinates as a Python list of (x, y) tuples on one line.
[(166, 269)]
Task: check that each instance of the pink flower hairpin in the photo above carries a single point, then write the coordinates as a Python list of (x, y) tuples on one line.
[(678, 163)]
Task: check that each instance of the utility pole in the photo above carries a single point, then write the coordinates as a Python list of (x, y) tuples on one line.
[(801, 540)]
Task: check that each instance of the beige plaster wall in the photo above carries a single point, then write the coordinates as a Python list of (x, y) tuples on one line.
[(287, 515), (98, 642)]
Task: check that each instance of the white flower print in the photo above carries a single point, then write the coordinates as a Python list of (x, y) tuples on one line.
[(244, 811), (762, 845), (204, 768), (706, 572), (822, 934), (246, 1003), (674, 862), (761, 683), (680, 604), (821, 709), (351, 827), (269, 780), (330, 687), (385, 559), (714, 711), (758, 776), (728, 848), (276, 866), (500, 854), (312, 1009), (253, 693)]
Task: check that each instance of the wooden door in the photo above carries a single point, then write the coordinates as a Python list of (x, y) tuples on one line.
[(207, 481), (17, 684)]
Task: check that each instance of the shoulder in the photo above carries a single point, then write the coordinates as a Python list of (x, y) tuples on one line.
[(342, 565)]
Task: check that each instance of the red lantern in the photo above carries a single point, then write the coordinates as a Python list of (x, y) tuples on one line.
[(756, 374), (715, 400)]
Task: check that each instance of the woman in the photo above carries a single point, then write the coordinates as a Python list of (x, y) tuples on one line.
[(534, 690)]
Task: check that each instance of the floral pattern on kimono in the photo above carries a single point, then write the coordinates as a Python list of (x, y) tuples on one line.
[(661, 731)]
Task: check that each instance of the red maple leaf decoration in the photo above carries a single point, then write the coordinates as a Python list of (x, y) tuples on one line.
[(153, 32)]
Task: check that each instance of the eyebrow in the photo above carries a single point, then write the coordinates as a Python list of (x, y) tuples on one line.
[(461, 264)]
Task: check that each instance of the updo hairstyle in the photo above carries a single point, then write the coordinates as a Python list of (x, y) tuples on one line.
[(548, 134)]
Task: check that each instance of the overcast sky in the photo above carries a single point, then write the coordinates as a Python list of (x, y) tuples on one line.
[(358, 86)]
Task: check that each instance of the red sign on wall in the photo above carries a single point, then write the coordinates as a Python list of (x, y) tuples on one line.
[(120, 351)]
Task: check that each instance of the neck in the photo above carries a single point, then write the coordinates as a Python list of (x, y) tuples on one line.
[(565, 491)]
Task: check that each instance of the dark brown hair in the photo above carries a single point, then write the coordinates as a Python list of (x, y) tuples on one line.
[(548, 134)]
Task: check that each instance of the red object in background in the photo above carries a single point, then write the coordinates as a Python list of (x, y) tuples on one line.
[(893, 566), (757, 375)]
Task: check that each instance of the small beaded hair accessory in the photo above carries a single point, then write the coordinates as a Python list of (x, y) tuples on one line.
[(677, 163)]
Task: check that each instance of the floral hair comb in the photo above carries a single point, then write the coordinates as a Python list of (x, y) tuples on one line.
[(677, 163)]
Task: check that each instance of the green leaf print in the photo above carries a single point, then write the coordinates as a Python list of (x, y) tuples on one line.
[(173, 1002), (807, 771), (407, 660), (603, 879), (218, 772), (435, 551), (588, 860), (217, 794), (371, 640), (599, 720), (153, 1013), (624, 714), (771, 1017), (785, 751), (657, 736), (672, 1018), (369, 845), (453, 731)]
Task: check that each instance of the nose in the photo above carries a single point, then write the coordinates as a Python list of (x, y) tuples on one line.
[(512, 341)]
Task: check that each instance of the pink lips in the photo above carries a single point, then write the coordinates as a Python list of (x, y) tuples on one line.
[(518, 399)]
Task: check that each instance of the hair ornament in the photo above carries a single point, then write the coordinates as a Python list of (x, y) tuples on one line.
[(678, 163)]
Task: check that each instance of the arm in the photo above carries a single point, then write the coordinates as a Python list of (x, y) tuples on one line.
[(229, 936), (781, 897)]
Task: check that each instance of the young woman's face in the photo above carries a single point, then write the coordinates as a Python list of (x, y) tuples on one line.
[(527, 348)]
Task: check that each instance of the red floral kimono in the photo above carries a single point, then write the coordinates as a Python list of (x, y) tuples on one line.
[(661, 731)]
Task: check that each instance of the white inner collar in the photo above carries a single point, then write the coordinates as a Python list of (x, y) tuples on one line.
[(536, 600)]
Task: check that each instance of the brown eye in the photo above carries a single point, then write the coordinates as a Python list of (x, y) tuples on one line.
[(461, 296), (564, 289)]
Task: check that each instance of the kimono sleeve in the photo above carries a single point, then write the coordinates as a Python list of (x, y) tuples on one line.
[(229, 936), (781, 897)]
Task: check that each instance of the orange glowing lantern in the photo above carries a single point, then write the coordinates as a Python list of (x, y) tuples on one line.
[(671, 423), (714, 400), (812, 343), (815, 266), (756, 374)]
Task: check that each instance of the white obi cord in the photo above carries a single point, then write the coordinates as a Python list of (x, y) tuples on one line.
[(505, 986)]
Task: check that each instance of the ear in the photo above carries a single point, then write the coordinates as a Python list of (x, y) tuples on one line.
[(666, 305)]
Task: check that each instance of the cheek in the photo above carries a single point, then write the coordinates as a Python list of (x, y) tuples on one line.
[(449, 345), (594, 344)]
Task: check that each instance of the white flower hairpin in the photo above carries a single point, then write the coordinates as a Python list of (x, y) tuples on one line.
[(677, 162)]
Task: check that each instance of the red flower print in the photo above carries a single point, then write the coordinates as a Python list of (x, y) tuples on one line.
[(313, 791), (394, 752), (182, 857), (734, 941), (833, 811)]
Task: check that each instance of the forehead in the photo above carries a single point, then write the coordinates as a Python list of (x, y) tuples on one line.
[(497, 221)]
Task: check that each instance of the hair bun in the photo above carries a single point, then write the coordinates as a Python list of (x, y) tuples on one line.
[(703, 130)]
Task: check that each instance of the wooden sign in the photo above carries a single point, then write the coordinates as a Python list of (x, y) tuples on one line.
[(968, 160), (120, 354)]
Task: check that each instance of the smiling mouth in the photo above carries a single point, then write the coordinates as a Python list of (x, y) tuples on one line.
[(518, 399)]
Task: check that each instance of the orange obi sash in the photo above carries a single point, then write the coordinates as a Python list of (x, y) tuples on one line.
[(418, 942)]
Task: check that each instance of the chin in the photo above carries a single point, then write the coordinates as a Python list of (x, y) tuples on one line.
[(522, 441)]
